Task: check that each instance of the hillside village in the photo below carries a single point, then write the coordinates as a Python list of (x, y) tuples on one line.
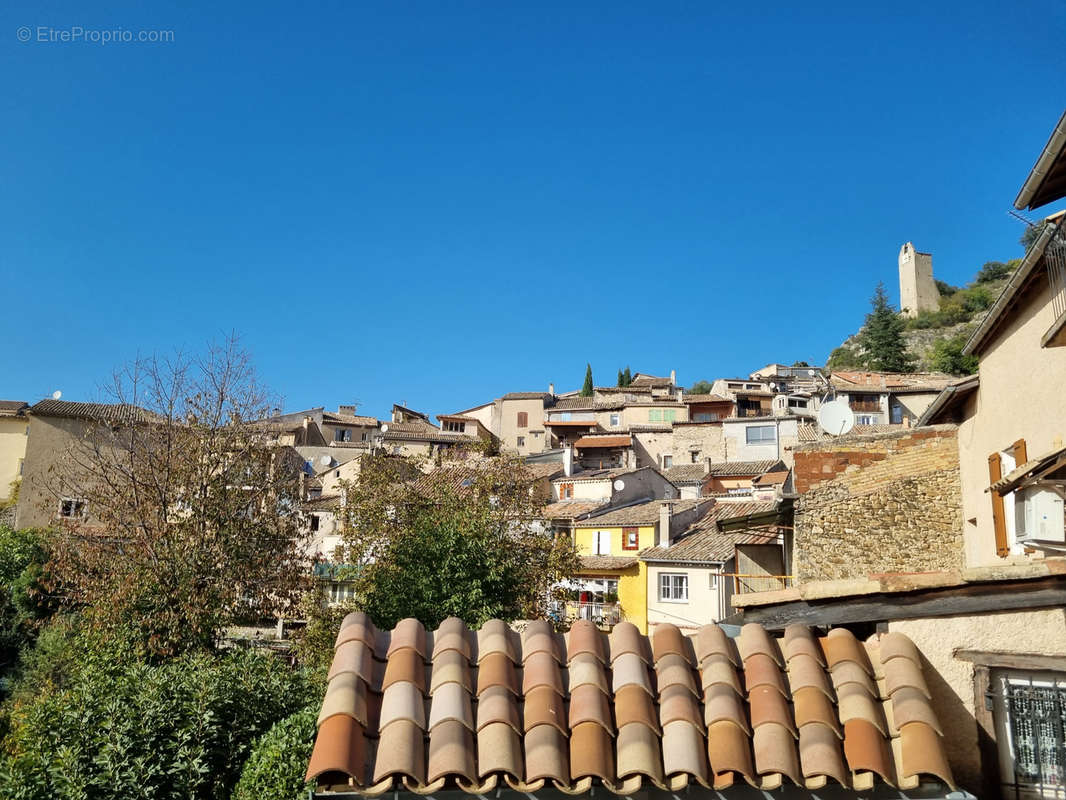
[(934, 510)]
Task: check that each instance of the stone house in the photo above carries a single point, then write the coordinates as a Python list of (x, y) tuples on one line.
[(760, 438), (888, 398)]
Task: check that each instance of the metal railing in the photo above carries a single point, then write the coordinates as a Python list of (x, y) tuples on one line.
[(745, 583), (602, 614), (1055, 257)]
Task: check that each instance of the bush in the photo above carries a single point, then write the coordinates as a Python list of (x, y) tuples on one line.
[(275, 769), (946, 356), (992, 271), (107, 725), (24, 604), (844, 357)]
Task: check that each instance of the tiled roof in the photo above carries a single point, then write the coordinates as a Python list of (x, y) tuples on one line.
[(607, 562), (641, 379), (641, 514), (890, 381), (604, 441), (686, 473), (13, 408), (587, 404), (348, 419), (571, 509), (705, 398), (545, 469), (422, 432), (477, 711), (650, 428), (527, 396), (104, 412), (812, 433), (704, 543), (771, 478), (727, 468)]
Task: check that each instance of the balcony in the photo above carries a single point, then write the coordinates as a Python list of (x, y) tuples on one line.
[(746, 583), (865, 406), (604, 615)]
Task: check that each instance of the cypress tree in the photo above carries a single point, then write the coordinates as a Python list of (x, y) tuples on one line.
[(586, 390), (621, 379), (627, 376), (882, 336)]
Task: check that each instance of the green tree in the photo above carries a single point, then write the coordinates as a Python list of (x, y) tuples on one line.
[(1031, 234), (992, 271), (455, 542), (947, 356), (621, 379), (700, 387), (24, 602), (627, 376), (844, 357), (275, 769), (881, 337), (587, 388)]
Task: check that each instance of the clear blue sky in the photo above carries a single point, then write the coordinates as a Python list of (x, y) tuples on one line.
[(435, 203)]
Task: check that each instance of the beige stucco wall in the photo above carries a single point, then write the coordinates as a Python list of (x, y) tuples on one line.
[(950, 680), (707, 437), (48, 443), (509, 430), (13, 440), (914, 405), (1021, 396), (737, 448), (705, 605)]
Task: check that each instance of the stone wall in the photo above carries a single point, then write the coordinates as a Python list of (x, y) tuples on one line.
[(876, 504)]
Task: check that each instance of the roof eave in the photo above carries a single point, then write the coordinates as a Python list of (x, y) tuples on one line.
[(1052, 151)]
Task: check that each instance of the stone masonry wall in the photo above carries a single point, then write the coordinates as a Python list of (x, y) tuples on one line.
[(877, 504)]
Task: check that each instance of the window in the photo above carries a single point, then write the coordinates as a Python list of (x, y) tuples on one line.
[(695, 456), (314, 523), (601, 543), (340, 592), (760, 434), (566, 491), (363, 436), (342, 435), (71, 508), (704, 416), (864, 419), (662, 414), (1028, 711), (454, 426), (668, 461), (714, 581), (630, 539), (521, 441), (616, 420), (673, 587), (523, 419), (896, 414)]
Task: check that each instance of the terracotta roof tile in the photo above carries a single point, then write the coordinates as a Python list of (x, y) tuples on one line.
[(622, 711)]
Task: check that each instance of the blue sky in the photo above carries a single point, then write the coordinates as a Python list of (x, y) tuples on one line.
[(435, 203)]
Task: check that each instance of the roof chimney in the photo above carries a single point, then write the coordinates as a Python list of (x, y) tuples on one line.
[(551, 389), (673, 377), (680, 396), (662, 534), (568, 460), (349, 409)]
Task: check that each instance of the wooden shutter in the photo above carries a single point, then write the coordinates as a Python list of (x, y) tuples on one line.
[(523, 419), (999, 521), (1019, 452)]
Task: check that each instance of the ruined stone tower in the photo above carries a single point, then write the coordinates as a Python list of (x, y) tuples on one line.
[(917, 289)]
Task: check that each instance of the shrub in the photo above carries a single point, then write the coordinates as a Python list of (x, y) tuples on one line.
[(275, 769), (844, 357), (24, 605), (107, 725), (946, 356), (992, 271)]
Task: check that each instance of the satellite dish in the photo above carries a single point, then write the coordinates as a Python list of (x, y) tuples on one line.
[(56, 394), (385, 428), (325, 461), (772, 385), (836, 417), (619, 485)]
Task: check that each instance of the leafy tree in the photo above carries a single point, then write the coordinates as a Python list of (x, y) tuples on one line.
[(1031, 234), (24, 603), (881, 337), (992, 271), (193, 512), (587, 388), (844, 357), (621, 379), (627, 376), (800, 364), (945, 289), (456, 542), (700, 387), (275, 769), (117, 727), (947, 356)]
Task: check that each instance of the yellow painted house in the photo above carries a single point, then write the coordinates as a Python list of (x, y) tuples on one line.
[(14, 425), (612, 584)]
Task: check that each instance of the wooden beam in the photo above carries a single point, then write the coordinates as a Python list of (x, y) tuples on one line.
[(979, 598), (999, 659)]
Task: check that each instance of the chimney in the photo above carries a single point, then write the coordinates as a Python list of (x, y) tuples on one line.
[(349, 410), (662, 537), (673, 377), (906, 421), (680, 396), (568, 460), (551, 389)]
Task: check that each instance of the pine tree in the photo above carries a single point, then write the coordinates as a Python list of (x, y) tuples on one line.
[(627, 376), (586, 390), (621, 379), (882, 336)]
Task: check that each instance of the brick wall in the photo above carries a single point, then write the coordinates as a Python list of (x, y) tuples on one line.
[(880, 503)]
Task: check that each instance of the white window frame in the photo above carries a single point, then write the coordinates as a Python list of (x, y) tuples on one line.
[(601, 543), (75, 503), (668, 461), (616, 420), (1000, 680), (750, 428), (669, 592)]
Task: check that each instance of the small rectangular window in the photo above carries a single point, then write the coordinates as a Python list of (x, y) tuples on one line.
[(896, 414), (342, 435), (521, 441), (630, 539), (695, 455), (761, 434), (616, 420), (566, 491), (71, 508), (668, 461), (523, 419), (1028, 709), (314, 523), (673, 587)]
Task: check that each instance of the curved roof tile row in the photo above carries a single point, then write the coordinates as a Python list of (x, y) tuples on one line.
[(423, 711)]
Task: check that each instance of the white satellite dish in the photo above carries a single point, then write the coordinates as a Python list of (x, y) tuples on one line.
[(56, 394), (619, 485), (772, 386), (385, 428), (325, 461), (836, 417)]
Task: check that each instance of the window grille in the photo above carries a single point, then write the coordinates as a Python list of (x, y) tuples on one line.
[(1032, 726)]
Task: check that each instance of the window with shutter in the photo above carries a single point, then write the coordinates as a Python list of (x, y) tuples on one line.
[(523, 419)]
